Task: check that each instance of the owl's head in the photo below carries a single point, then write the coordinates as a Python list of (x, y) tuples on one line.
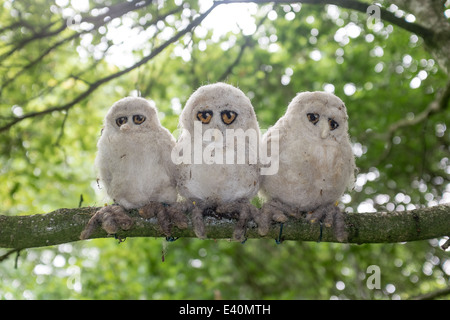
[(220, 106), (322, 114), (131, 114)]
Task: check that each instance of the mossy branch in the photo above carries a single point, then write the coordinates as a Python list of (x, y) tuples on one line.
[(65, 225)]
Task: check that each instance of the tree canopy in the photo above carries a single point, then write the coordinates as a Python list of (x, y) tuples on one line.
[(64, 63)]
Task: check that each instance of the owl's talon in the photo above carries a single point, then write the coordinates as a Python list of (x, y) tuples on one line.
[(177, 213), (198, 223), (242, 210), (163, 219), (273, 210), (279, 216), (328, 224), (317, 215), (165, 215), (150, 210), (111, 218), (339, 226), (263, 220), (332, 217), (180, 220), (241, 226)]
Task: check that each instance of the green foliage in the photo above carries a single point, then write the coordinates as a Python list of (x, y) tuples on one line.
[(194, 269), (47, 161)]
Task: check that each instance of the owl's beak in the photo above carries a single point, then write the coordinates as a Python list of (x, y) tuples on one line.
[(124, 127), (324, 129)]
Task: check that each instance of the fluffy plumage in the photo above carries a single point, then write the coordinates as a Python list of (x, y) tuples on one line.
[(224, 187), (316, 162), (133, 161)]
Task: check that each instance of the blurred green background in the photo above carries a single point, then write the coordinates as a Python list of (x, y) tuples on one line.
[(270, 51)]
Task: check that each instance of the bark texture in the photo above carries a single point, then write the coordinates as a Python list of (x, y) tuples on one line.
[(65, 225)]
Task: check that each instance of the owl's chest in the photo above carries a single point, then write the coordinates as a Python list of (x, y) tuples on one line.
[(218, 182), (134, 155), (131, 156), (313, 164), (325, 158), (299, 152)]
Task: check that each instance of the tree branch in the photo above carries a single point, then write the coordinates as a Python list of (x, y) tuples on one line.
[(98, 21), (36, 36), (65, 225), (433, 295), (112, 12), (115, 11), (421, 31), (247, 42), (439, 104), (106, 79)]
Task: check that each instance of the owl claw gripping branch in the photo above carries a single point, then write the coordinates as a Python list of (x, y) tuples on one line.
[(111, 218)]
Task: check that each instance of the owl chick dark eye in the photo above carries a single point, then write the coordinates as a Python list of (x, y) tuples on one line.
[(333, 124), (121, 121), (313, 117), (138, 119), (205, 116), (228, 117)]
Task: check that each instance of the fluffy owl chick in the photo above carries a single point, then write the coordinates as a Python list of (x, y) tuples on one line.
[(218, 169), (316, 162), (133, 163)]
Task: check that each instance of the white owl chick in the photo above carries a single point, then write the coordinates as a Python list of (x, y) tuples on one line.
[(218, 144), (316, 162), (134, 166)]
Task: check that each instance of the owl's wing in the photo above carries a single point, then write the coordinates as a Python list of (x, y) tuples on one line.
[(167, 143), (181, 157), (104, 172), (271, 141), (277, 133), (353, 170)]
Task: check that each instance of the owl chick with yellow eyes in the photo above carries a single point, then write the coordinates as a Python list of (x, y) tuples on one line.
[(316, 162), (134, 166), (219, 171)]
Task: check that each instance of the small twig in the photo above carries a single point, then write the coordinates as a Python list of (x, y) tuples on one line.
[(17, 259), (36, 36), (10, 252), (61, 131), (446, 245), (81, 201)]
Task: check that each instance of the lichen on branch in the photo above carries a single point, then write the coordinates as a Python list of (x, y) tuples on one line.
[(66, 225)]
